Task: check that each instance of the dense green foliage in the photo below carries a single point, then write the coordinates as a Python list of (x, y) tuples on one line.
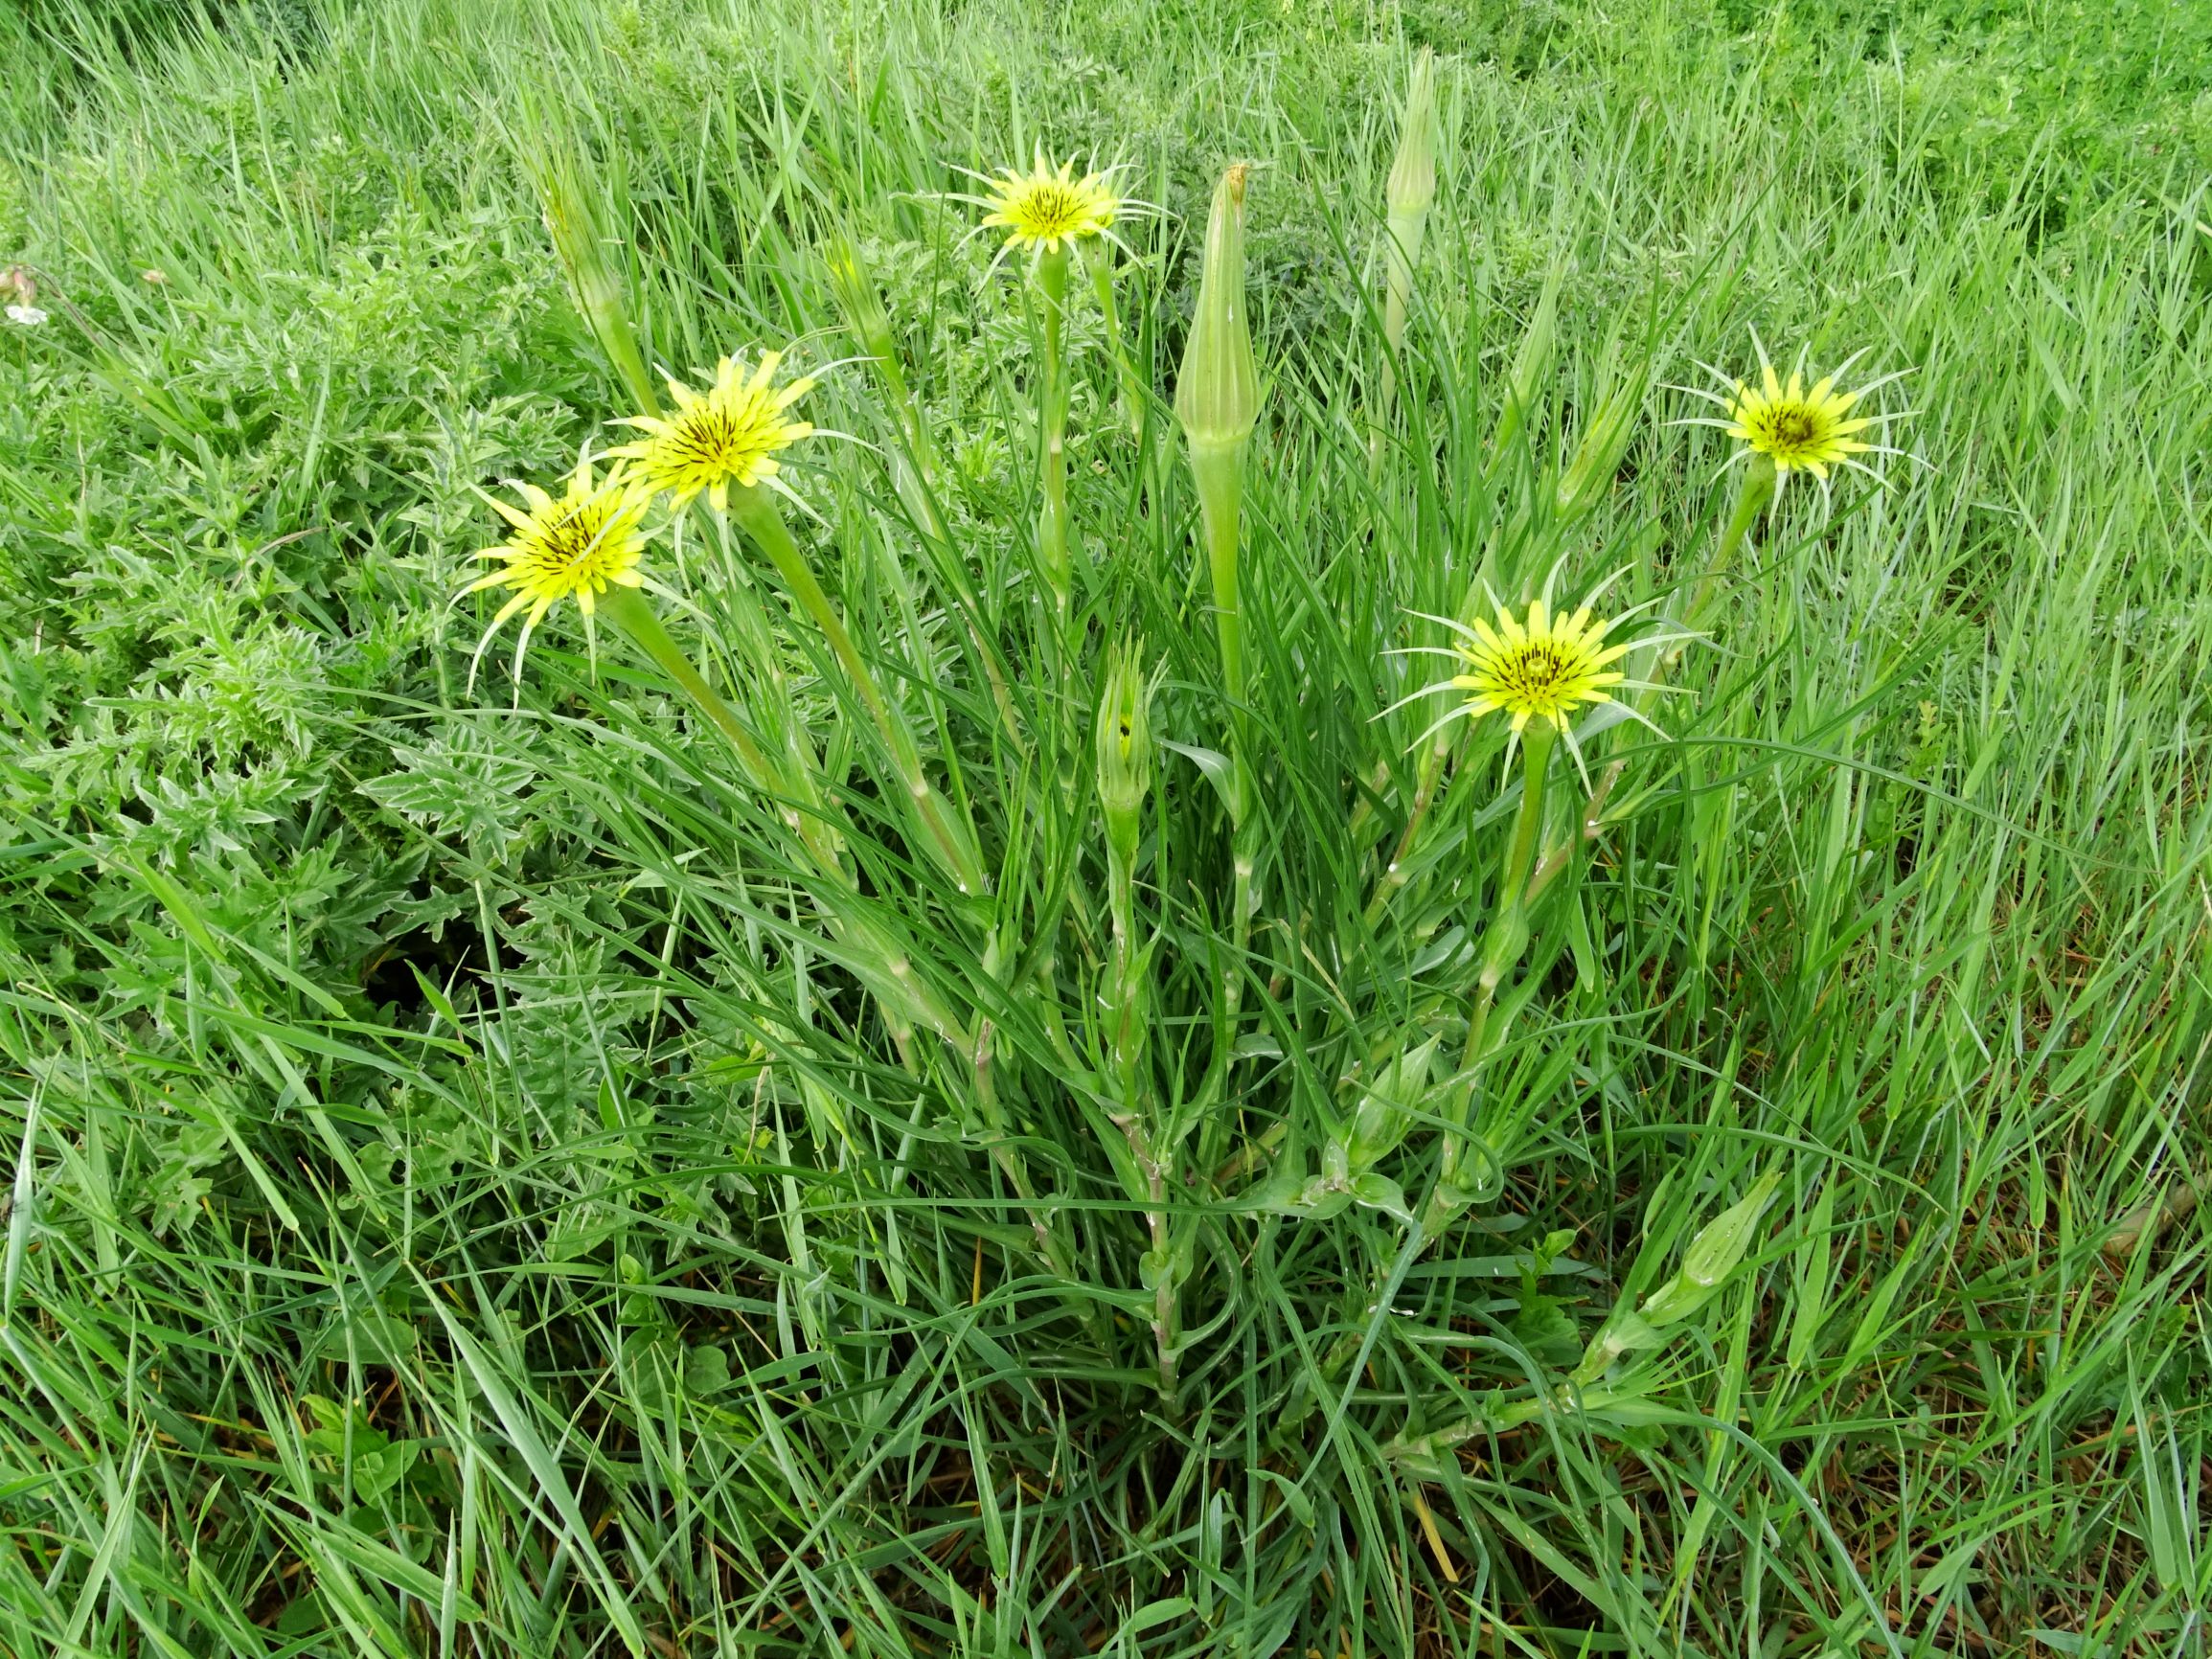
[(461, 1198)]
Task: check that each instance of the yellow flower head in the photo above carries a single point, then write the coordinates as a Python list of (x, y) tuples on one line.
[(728, 435), (1043, 209), (1798, 430), (1794, 427), (1541, 669), (571, 548)]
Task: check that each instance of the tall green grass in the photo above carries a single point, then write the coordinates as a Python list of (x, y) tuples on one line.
[(462, 1198)]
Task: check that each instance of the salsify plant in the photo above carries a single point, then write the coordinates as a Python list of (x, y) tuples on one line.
[(1030, 837)]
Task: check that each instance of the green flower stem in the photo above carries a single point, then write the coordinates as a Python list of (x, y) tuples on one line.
[(1052, 543), (627, 608), (1098, 258), (1753, 497), (1138, 1117), (1503, 943), (1402, 247), (951, 838), (913, 476), (915, 468), (1507, 1416), (1593, 818), (1219, 469), (1400, 870), (905, 998)]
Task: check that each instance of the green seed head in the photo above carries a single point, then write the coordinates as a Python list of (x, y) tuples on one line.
[(1217, 391)]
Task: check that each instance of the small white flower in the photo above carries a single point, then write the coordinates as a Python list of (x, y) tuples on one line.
[(29, 316)]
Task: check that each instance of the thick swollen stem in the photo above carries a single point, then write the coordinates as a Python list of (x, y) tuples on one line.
[(1404, 242), (1535, 749), (896, 983), (948, 836), (1052, 541), (890, 974), (1246, 859), (1219, 469), (627, 608), (1592, 825)]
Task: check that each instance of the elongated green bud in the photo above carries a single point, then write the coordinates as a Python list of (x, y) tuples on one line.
[(1407, 197), (1218, 391), (1218, 402), (1412, 186), (1125, 748), (853, 288), (566, 195), (1713, 1255), (1597, 457), (1531, 364)]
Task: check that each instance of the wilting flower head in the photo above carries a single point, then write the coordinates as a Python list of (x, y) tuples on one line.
[(1795, 427), (728, 435), (570, 548), (1540, 670), (1046, 208)]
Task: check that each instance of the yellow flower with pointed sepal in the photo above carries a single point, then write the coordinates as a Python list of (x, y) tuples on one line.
[(1542, 668), (575, 547), (1796, 427), (1048, 207), (727, 434), (1538, 668)]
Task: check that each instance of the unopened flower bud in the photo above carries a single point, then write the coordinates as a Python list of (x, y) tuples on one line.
[(1217, 391), (853, 288), (1124, 747), (1407, 197), (1713, 1255), (1412, 185), (1531, 364), (1597, 458), (567, 198)]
